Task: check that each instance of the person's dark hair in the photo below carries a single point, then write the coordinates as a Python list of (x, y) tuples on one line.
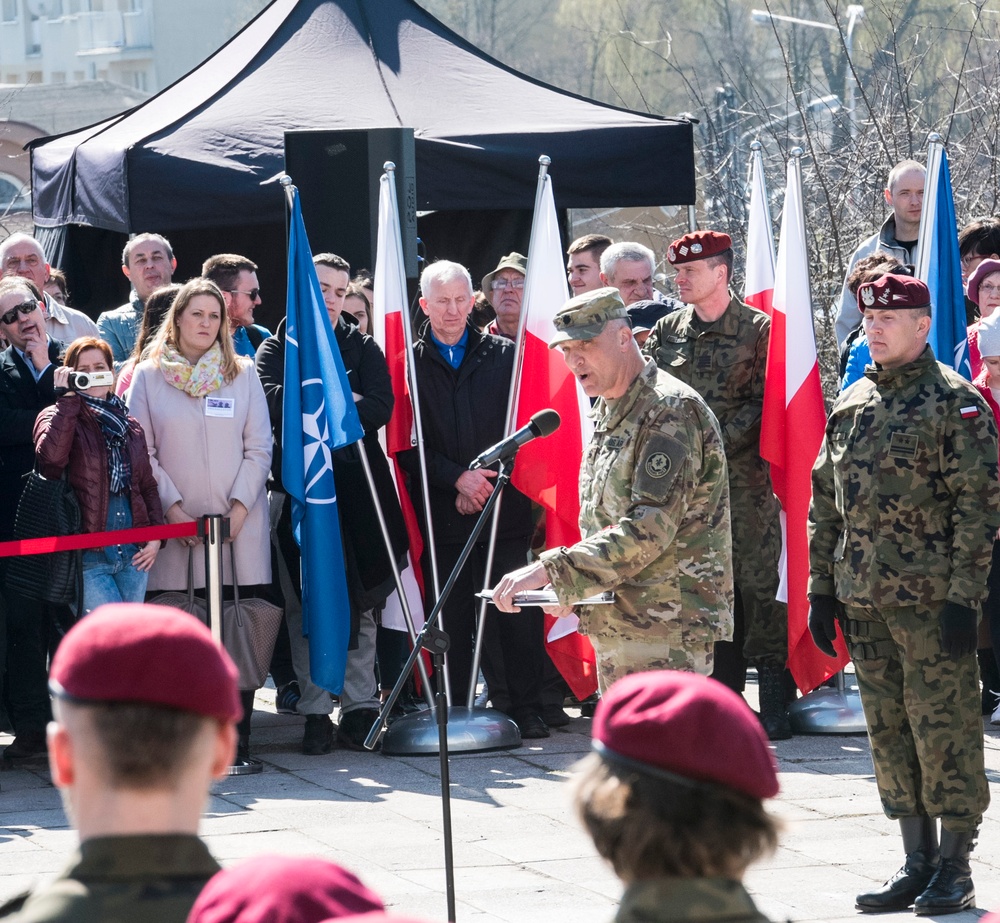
[(648, 827), (980, 237), (224, 268), (483, 313), (872, 267), (333, 261), (595, 243), (155, 309), (59, 278), (364, 279), (144, 746), (725, 258)]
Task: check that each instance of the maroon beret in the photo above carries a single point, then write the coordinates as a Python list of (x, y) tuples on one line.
[(984, 269), (893, 293), (154, 655), (666, 722), (282, 889), (698, 245)]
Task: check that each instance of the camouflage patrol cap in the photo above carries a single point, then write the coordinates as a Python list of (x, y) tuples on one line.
[(893, 293), (698, 245), (584, 317), (687, 728)]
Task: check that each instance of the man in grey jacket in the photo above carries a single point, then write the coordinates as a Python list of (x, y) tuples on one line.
[(897, 236)]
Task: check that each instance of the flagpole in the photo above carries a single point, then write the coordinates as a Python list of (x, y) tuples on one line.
[(515, 381), (411, 374), (935, 150)]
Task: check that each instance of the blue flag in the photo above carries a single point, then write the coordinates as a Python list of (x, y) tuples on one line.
[(319, 416), (940, 267)]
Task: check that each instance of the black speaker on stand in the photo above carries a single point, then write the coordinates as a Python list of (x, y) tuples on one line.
[(337, 174)]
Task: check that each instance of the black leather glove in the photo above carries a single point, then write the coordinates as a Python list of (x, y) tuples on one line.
[(823, 614), (959, 632)]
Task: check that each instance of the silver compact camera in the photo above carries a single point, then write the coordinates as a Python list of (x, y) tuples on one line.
[(81, 381)]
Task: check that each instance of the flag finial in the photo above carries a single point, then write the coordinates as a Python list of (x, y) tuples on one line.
[(755, 145), (796, 152), (389, 166)]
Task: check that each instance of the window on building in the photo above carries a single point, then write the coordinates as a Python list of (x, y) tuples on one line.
[(57, 77), (15, 196), (8, 10)]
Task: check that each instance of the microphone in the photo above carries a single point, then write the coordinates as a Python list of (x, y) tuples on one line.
[(543, 423)]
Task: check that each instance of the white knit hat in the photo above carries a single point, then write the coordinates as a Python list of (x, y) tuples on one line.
[(989, 335)]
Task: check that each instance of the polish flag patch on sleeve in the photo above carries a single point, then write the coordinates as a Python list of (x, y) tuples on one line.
[(968, 412)]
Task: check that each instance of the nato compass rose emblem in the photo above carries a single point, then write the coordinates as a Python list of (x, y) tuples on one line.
[(316, 450)]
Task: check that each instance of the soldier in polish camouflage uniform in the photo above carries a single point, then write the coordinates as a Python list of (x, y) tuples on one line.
[(718, 345), (905, 508), (654, 507)]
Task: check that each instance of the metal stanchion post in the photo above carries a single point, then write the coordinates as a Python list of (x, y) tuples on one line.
[(214, 531)]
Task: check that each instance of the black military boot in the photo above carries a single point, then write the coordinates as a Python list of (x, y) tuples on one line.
[(951, 888), (900, 891), (771, 687)]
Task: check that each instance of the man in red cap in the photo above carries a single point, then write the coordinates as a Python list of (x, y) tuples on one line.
[(673, 797), (718, 344), (146, 705), (905, 507)]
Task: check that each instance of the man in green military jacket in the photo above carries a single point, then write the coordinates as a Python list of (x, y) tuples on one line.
[(654, 507), (905, 507), (717, 344)]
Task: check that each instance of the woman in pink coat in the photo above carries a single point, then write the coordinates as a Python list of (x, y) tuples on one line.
[(203, 410)]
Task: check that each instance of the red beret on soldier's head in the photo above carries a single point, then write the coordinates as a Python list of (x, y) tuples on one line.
[(698, 245), (283, 889), (893, 293), (147, 655), (685, 727)]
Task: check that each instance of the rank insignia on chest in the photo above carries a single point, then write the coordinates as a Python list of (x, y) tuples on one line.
[(615, 443), (903, 445), (969, 412)]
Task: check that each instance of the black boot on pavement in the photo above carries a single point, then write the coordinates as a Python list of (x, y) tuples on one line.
[(773, 713), (951, 889), (899, 892), (318, 737), (354, 728)]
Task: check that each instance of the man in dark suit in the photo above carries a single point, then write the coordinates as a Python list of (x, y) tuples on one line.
[(26, 371)]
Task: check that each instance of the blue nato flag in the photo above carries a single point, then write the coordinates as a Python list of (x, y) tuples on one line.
[(316, 393)]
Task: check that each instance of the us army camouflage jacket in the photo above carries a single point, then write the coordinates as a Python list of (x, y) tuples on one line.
[(688, 900), (725, 363), (654, 515), (906, 501)]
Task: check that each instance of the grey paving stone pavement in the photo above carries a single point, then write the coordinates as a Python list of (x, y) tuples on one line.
[(520, 855)]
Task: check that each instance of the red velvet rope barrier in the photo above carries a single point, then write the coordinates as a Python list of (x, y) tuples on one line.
[(97, 539)]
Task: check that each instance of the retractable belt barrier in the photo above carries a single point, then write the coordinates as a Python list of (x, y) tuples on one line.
[(99, 539)]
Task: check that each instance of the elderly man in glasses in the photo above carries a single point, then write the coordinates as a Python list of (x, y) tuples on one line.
[(26, 386), (236, 277), (22, 255), (504, 290)]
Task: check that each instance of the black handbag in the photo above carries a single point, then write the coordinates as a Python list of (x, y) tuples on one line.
[(47, 507)]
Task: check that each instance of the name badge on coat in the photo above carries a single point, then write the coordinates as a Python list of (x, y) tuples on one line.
[(220, 407)]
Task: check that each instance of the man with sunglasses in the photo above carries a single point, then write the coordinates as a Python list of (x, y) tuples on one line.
[(236, 277), (26, 387), (22, 255)]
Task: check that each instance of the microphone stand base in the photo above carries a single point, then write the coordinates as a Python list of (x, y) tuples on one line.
[(470, 730)]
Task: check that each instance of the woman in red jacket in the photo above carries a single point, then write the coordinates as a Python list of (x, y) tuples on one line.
[(89, 434)]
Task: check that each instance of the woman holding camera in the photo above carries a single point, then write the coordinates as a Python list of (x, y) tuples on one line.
[(89, 435)]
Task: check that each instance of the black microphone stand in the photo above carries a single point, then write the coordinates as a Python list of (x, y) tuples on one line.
[(436, 641)]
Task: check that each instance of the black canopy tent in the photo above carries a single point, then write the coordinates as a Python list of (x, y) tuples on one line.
[(190, 162)]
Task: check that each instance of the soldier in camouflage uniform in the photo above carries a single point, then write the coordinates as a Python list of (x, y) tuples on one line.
[(654, 510), (677, 812), (904, 510), (718, 345)]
